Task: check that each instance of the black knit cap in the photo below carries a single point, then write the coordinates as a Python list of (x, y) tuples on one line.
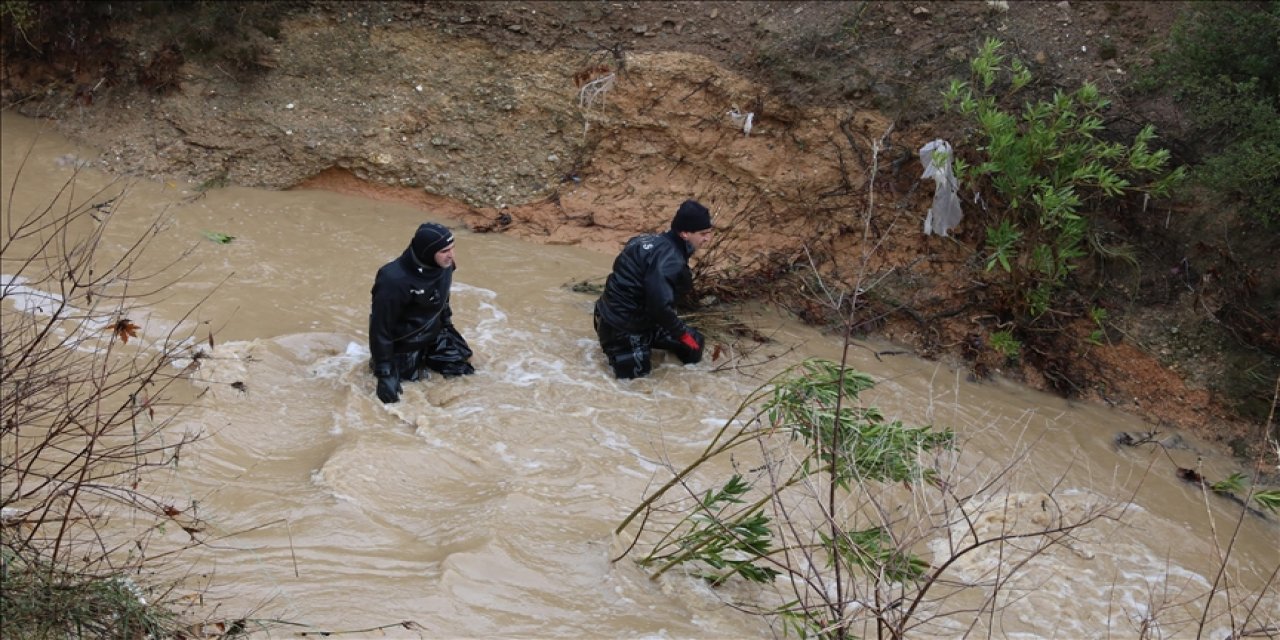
[(691, 216), (429, 240)]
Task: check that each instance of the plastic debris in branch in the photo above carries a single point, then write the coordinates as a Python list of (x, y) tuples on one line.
[(945, 214), (743, 120)]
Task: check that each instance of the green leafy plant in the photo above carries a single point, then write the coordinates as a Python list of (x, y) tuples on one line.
[(1098, 315), (1222, 65), (1233, 483), (1043, 169), (1269, 499), (727, 532), (1003, 241), (727, 543), (21, 13), (811, 404), (1237, 483), (874, 551), (45, 601), (1005, 344), (218, 237)]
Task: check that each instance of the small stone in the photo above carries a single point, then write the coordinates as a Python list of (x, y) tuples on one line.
[(715, 13), (920, 12)]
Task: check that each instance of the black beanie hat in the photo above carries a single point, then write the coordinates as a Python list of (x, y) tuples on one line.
[(691, 216), (429, 239)]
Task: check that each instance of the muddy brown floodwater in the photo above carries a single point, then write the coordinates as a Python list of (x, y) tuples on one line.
[(485, 506)]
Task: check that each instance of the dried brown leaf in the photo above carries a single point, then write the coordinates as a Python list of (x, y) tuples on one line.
[(125, 329)]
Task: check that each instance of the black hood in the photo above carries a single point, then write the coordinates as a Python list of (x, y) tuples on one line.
[(430, 239)]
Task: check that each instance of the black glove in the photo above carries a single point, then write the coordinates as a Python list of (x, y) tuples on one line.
[(388, 384), (389, 389), (691, 344)]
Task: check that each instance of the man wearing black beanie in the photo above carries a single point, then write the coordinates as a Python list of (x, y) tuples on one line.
[(411, 324), (637, 312)]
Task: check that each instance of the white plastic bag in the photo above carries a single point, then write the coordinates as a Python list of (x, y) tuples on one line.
[(945, 214), (743, 120)]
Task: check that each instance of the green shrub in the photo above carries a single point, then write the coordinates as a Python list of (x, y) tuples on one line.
[(1042, 168), (1004, 343), (236, 36), (44, 602), (1223, 66)]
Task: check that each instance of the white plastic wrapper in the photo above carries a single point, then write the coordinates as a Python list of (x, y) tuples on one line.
[(945, 214)]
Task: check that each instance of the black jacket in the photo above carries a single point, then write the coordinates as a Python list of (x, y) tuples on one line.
[(410, 306), (650, 274)]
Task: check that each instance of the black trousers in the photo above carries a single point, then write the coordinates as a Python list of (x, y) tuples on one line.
[(446, 352), (630, 353)]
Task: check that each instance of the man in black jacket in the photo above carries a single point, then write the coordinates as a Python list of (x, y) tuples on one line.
[(637, 312), (411, 325)]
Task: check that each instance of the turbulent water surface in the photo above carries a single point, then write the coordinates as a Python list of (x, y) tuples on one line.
[(485, 506)]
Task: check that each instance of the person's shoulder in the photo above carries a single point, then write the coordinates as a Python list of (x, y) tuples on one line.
[(645, 241), (392, 269)]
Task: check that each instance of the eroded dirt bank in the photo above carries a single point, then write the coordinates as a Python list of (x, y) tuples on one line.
[(503, 116)]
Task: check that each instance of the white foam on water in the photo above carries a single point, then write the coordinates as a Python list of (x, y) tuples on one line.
[(29, 300), (89, 331)]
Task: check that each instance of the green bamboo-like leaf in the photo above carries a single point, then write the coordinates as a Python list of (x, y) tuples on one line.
[(1269, 499), (1233, 484), (220, 238), (873, 550)]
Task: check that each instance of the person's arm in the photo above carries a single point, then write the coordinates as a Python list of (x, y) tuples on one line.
[(446, 315), (382, 317), (386, 307), (660, 299), (660, 292)]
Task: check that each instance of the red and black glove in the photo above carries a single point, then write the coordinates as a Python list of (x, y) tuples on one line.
[(692, 344)]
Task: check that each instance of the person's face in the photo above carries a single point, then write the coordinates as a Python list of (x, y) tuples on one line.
[(697, 238), (444, 257)]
